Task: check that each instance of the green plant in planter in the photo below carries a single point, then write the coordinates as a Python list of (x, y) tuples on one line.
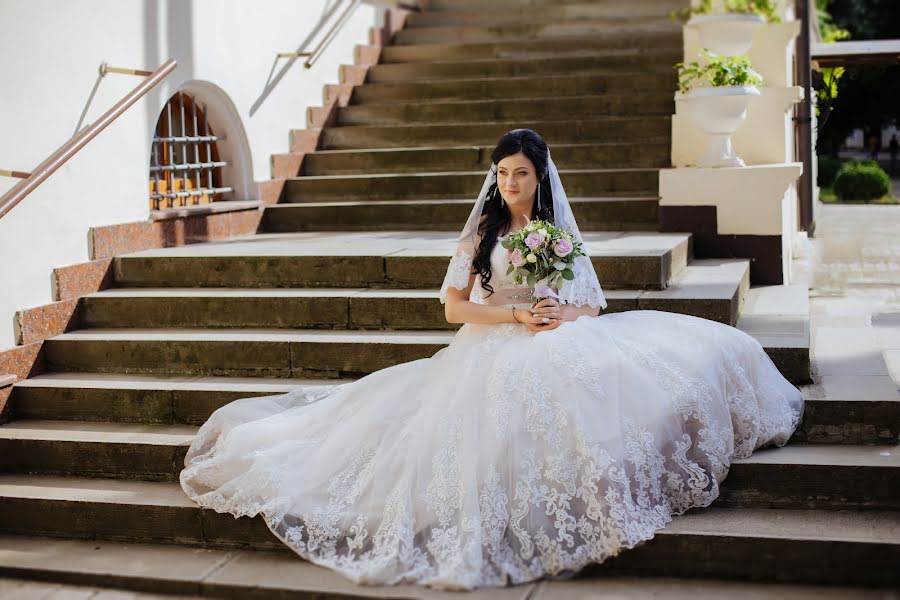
[(765, 8), (716, 71)]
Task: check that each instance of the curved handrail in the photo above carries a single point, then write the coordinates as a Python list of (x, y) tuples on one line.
[(44, 170)]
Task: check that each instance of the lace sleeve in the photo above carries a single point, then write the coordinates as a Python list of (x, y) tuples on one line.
[(458, 272), (585, 288)]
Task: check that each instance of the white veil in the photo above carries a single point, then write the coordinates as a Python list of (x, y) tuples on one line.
[(584, 289)]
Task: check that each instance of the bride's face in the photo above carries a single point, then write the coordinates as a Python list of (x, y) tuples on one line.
[(517, 180)]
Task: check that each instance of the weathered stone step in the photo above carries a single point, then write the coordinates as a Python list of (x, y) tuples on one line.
[(449, 7), (258, 574), (602, 155), (579, 84), (457, 184), (635, 28), (612, 44), (662, 61), (547, 13), (859, 547), (262, 352), (118, 397), (380, 259), (815, 476), (606, 214), (710, 289), (581, 107), (608, 129), (841, 418)]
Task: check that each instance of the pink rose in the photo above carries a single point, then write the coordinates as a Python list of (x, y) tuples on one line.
[(563, 247), (516, 259), (534, 240)]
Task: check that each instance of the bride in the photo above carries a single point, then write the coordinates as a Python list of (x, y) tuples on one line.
[(540, 440)]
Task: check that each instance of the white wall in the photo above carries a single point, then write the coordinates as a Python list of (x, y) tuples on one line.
[(52, 50)]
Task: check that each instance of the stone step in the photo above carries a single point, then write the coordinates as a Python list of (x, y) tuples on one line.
[(259, 574), (135, 398), (813, 476), (661, 61), (608, 129), (388, 259), (501, 88), (613, 44), (710, 289), (859, 547), (635, 28), (457, 184), (473, 111), (602, 155), (450, 7), (502, 15), (265, 352), (840, 418), (605, 214)]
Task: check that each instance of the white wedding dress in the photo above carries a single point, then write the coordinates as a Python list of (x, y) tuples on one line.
[(506, 456)]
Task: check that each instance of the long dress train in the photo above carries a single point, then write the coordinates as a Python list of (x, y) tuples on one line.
[(506, 456)]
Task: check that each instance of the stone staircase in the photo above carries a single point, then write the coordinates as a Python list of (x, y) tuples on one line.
[(342, 281)]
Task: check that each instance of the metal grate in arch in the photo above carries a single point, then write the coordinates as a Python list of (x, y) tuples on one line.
[(185, 169)]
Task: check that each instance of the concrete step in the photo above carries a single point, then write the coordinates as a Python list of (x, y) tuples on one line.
[(473, 111), (457, 184), (135, 398), (636, 28), (607, 129), (710, 289), (262, 352), (839, 418), (612, 44), (450, 7), (859, 547), (492, 15), (226, 573), (661, 61), (602, 155), (501, 88), (388, 259), (814, 476), (605, 214)]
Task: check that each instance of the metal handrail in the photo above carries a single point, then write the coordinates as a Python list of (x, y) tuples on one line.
[(311, 57), (44, 170)]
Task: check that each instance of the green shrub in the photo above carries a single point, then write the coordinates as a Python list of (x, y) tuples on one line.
[(861, 181), (828, 168)]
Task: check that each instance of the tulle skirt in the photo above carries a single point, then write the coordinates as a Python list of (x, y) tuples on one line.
[(505, 457)]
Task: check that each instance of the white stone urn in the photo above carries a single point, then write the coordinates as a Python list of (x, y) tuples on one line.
[(730, 34), (718, 111)]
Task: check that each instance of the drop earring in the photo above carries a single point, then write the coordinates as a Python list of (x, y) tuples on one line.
[(539, 197), (502, 203)]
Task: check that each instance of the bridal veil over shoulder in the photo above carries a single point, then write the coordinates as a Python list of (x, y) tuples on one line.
[(508, 455)]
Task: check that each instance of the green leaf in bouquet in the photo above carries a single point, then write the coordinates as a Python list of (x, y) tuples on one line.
[(508, 244), (559, 265), (531, 280), (568, 274), (510, 269)]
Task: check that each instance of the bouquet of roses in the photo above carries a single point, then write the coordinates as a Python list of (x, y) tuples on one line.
[(541, 254)]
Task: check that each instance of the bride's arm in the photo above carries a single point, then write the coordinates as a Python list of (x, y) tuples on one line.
[(459, 309)]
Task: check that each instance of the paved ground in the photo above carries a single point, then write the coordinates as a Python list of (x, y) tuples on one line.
[(854, 270)]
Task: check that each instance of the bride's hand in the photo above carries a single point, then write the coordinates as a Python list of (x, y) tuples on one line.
[(543, 316)]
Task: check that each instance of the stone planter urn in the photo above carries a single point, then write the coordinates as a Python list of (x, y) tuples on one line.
[(730, 34), (718, 112)]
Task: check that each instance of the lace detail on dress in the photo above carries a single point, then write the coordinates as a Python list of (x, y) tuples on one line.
[(585, 288), (458, 272), (506, 457)]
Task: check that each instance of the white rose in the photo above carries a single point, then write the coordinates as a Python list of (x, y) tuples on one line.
[(543, 232), (531, 258)]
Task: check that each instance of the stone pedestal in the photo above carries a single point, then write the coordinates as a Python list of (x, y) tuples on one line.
[(743, 212)]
